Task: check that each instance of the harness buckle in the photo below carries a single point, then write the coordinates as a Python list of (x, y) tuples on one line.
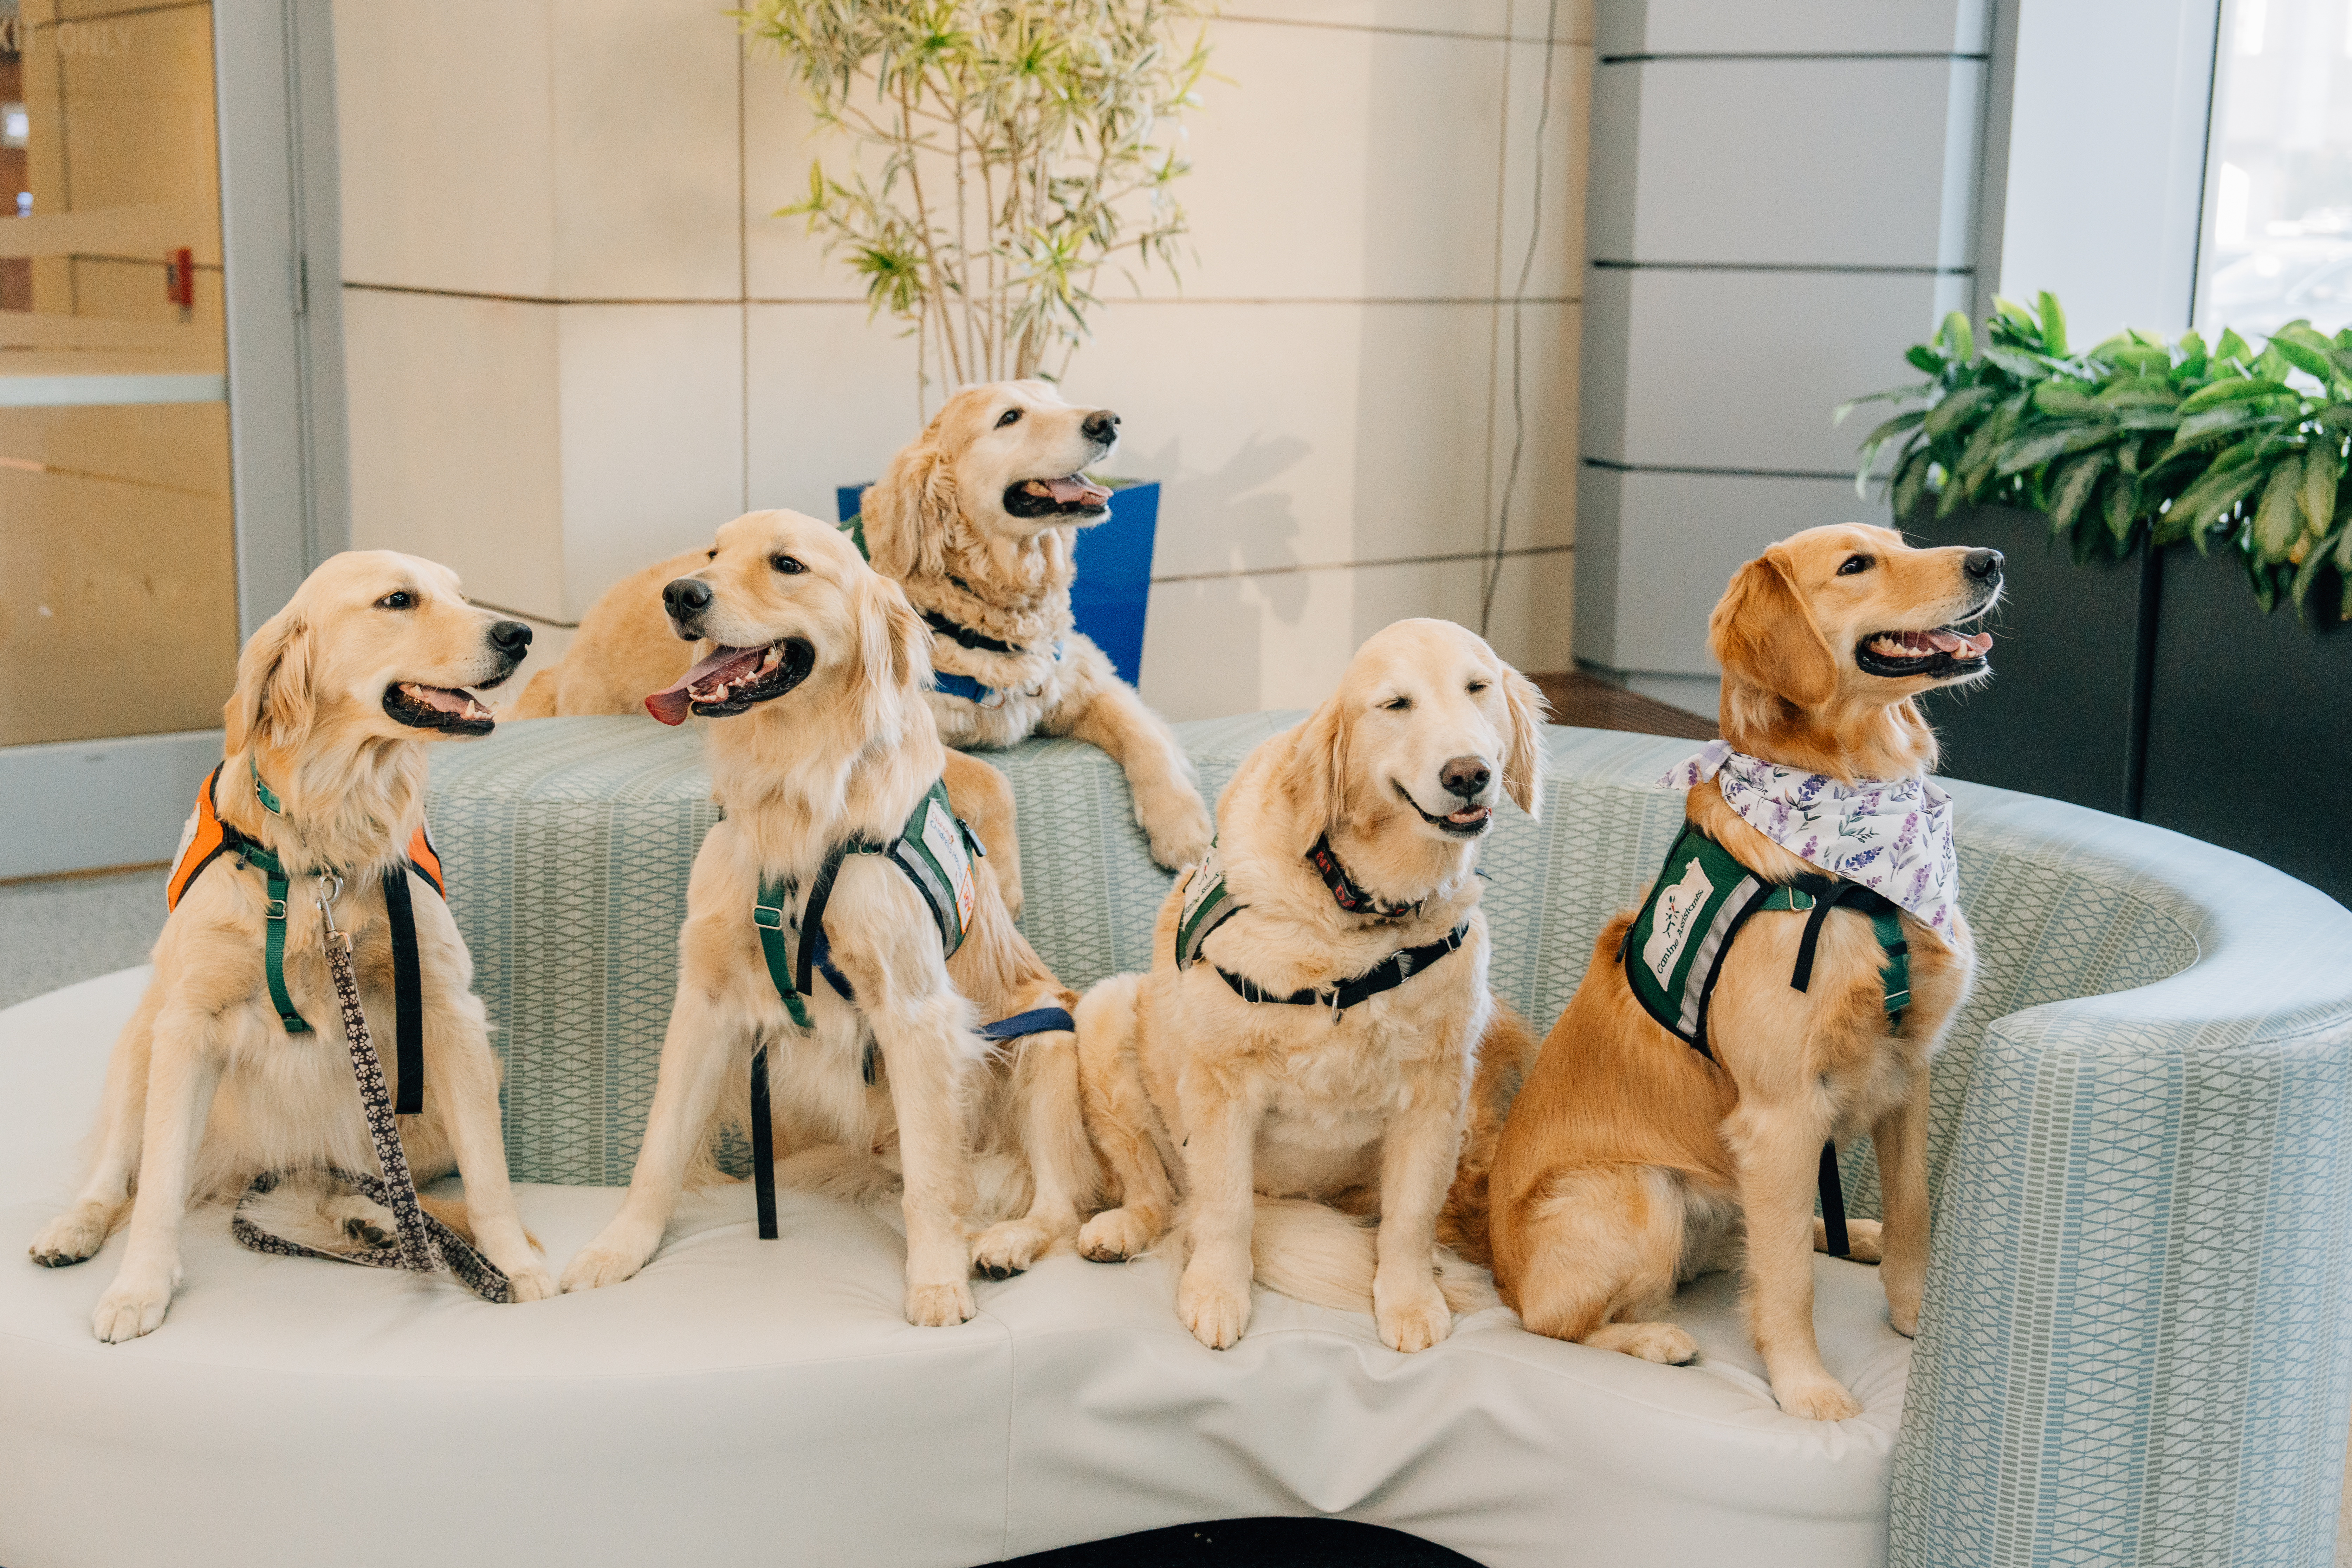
[(775, 920), (274, 909)]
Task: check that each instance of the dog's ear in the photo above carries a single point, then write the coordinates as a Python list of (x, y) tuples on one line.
[(275, 699), (1523, 770), (1316, 777), (908, 509), (894, 647), (1762, 633)]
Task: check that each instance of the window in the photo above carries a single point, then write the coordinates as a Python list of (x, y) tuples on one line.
[(2278, 197)]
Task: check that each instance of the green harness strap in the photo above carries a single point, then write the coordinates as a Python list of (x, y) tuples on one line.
[(768, 914), (273, 913)]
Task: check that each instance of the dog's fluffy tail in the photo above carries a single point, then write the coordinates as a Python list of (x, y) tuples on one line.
[(1325, 1258)]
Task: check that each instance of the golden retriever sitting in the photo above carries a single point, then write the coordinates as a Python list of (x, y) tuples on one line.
[(1631, 1156), (325, 770), (813, 673), (976, 520), (1311, 1024)]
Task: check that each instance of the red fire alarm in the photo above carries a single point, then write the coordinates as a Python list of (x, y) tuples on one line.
[(180, 277)]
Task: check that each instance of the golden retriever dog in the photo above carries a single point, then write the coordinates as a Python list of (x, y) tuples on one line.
[(625, 649), (976, 519), (336, 696), (1311, 1025), (811, 676), (1630, 1159)]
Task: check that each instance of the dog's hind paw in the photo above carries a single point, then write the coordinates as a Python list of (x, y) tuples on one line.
[(1115, 1236), (1661, 1342), (1862, 1238), (939, 1306), (1009, 1247), (73, 1236)]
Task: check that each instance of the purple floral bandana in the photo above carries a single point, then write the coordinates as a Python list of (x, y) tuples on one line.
[(1894, 837)]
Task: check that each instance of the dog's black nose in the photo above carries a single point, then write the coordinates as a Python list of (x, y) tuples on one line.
[(1101, 427), (511, 638), (1465, 776), (687, 598), (1984, 565)]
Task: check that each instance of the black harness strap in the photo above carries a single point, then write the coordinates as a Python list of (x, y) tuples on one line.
[(1386, 975), (967, 637), (1036, 1021), (764, 1145), (407, 992)]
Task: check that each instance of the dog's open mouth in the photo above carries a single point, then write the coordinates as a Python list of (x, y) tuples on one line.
[(730, 680), (1467, 823), (1072, 495), (1942, 654), (448, 708)]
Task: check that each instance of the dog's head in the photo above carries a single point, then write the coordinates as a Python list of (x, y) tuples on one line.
[(1430, 727), (1832, 624), (785, 604), (381, 646), (1008, 458)]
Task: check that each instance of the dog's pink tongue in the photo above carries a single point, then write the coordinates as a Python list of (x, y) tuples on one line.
[(1978, 644), (1075, 490), (671, 704)]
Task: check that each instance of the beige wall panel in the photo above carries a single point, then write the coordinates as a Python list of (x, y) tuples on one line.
[(447, 121), (1571, 20), (118, 606), (454, 447)]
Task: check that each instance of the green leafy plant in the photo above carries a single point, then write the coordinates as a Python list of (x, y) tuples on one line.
[(1005, 151), (2137, 442)]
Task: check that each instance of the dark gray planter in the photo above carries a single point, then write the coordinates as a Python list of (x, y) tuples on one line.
[(2165, 695), (2250, 725)]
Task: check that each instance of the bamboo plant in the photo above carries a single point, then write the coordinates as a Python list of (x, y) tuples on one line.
[(1003, 154), (2137, 442)]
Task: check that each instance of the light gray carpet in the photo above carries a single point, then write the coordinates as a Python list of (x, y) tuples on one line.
[(56, 932)]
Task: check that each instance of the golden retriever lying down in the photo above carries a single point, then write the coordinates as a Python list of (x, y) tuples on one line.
[(335, 696), (812, 675), (1631, 1159), (1312, 1023), (976, 520)]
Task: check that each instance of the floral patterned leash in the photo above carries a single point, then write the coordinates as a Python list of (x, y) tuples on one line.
[(425, 1244)]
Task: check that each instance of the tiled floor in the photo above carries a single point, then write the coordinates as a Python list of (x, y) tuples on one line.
[(55, 931)]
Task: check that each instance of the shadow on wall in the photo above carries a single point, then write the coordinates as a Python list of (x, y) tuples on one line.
[(1207, 635)]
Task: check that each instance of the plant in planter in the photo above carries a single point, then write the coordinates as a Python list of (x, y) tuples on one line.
[(1004, 153), (2133, 675), (1012, 149), (2138, 442)]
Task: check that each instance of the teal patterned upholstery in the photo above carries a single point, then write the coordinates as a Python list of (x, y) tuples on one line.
[(2136, 1345)]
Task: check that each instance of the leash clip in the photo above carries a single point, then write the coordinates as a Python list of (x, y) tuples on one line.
[(326, 897)]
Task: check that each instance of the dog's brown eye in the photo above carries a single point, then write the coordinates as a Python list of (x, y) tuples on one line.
[(395, 601), (1477, 687), (789, 565), (1397, 704), (1010, 416), (1851, 564), (710, 555)]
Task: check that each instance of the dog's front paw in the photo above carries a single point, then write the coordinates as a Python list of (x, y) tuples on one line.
[(939, 1306), (1180, 833), (1903, 1316), (531, 1284), (1010, 1247), (1115, 1236), (131, 1308), (1216, 1311), (1412, 1319), (598, 1265), (73, 1236), (1821, 1399), (1862, 1238)]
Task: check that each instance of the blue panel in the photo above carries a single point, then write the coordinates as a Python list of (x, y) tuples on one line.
[(1114, 559)]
